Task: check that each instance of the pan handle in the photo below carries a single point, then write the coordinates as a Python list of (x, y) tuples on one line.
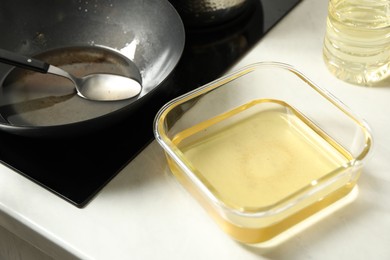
[(18, 60)]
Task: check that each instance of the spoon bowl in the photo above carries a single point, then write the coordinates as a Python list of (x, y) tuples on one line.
[(97, 86)]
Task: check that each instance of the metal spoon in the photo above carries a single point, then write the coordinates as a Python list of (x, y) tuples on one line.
[(100, 87)]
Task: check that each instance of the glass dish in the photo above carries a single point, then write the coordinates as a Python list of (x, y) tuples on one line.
[(264, 150)]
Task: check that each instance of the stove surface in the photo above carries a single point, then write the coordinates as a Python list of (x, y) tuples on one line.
[(77, 168)]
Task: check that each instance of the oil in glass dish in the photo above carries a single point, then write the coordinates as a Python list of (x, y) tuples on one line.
[(257, 155)]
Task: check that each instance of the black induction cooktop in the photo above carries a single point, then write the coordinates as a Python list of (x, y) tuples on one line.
[(76, 168)]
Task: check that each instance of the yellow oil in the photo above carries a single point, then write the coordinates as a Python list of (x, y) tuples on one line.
[(256, 156), (357, 41)]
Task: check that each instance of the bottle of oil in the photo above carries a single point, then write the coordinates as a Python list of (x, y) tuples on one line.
[(357, 40)]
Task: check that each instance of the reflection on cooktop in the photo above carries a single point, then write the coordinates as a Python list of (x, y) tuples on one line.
[(76, 168)]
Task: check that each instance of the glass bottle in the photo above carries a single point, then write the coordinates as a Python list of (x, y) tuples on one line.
[(357, 41)]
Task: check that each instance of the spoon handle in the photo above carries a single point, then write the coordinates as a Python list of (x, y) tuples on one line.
[(21, 61)]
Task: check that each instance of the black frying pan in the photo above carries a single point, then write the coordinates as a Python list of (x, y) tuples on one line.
[(82, 37)]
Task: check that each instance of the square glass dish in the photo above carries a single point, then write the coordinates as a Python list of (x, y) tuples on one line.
[(264, 150)]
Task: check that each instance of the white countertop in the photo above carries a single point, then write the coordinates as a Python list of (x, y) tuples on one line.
[(143, 213)]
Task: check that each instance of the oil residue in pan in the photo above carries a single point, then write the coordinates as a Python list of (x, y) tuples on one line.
[(35, 99)]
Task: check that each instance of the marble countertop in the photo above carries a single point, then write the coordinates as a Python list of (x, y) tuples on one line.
[(143, 213)]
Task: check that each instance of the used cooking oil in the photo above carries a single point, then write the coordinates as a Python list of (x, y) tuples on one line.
[(357, 41), (257, 155), (35, 99)]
